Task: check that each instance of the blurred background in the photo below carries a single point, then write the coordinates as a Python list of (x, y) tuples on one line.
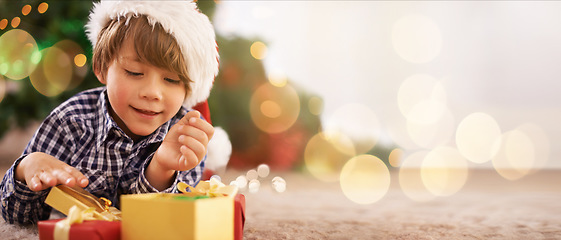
[(346, 91)]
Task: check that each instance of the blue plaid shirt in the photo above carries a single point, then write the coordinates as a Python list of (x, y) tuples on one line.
[(81, 133)]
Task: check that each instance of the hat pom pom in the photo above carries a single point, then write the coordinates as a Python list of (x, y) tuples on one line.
[(219, 151)]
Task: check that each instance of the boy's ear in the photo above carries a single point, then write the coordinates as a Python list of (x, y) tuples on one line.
[(99, 76)]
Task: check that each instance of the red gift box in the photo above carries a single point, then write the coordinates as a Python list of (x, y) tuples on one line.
[(87, 230), (239, 216), (105, 230)]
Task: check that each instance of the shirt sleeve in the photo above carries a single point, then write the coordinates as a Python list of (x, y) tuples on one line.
[(191, 177), (19, 203)]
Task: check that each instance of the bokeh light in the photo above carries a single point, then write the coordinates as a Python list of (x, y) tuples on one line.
[(26, 9), (274, 109), (254, 186), (279, 184), (516, 155), (431, 135), (15, 22), (80, 60), (251, 174), (326, 153), (258, 50), (365, 179), (421, 99), (357, 122), (542, 145), (315, 105), (395, 157), (263, 170), (53, 74), (410, 179), (270, 109), (2, 88), (17, 54), (3, 23), (4, 67), (396, 127), (241, 182), (444, 171), (79, 68), (218, 178), (478, 137), (277, 79), (43, 7), (416, 38)]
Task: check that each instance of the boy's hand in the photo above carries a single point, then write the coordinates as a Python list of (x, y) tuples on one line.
[(41, 171), (183, 147)]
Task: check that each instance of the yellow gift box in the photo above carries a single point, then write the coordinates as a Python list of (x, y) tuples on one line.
[(177, 216)]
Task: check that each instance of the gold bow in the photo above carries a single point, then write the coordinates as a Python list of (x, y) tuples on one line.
[(75, 215), (211, 188)]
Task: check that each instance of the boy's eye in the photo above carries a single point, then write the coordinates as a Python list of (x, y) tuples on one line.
[(172, 80), (133, 73)]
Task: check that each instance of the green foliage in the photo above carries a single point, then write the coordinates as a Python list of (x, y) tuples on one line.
[(64, 20)]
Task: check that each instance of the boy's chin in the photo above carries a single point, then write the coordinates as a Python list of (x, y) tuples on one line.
[(141, 132)]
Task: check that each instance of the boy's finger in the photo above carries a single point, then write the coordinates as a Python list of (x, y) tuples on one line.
[(202, 125), (194, 145), (192, 132), (190, 158), (35, 183), (81, 180), (47, 179), (191, 114), (64, 177)]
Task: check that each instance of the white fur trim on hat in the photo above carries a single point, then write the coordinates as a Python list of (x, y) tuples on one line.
[(219, 150), (192, 30)]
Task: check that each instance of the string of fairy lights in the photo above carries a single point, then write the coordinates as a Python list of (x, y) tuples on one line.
[(25, 10)]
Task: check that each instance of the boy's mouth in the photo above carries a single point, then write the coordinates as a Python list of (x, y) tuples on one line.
[(146, 112)]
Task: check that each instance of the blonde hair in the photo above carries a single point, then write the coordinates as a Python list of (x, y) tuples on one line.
[(153, 45)]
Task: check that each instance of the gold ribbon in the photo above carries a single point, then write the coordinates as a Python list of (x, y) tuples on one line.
[(102, 209), (75, 215), (211, 188)]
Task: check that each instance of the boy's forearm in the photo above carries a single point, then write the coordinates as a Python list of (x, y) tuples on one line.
[(158, 177)]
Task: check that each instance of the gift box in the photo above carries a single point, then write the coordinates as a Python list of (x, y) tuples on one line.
[(62, 198), (87, 230), (79, 205), (89, 217), (203, 213), (239, 216)]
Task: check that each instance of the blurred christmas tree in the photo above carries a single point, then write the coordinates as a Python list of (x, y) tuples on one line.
[(59, 24)]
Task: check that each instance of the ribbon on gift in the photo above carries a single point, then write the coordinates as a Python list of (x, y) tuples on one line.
[(211, 188), (75, 215)]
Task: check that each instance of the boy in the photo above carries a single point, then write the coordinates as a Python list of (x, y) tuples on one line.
[(134, 135)]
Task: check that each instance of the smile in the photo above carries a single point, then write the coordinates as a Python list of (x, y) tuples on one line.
[(146, 112)]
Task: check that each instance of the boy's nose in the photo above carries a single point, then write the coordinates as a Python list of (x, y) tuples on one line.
[(151, 89)]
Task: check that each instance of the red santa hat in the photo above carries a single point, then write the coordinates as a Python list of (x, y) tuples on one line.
[(195, 36)]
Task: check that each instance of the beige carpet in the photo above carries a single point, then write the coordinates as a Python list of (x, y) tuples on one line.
[(487, 207)]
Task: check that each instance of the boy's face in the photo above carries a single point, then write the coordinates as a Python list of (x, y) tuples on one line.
[(142, 96)]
